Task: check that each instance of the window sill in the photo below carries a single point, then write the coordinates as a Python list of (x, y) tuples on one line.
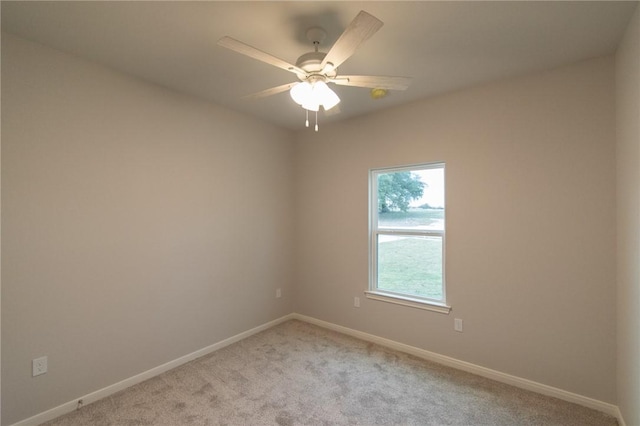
[(408, 301)]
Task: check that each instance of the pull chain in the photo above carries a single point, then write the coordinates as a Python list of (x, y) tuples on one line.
[(306, 123)]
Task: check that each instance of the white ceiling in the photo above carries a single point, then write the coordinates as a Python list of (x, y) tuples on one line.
[(443, 46)]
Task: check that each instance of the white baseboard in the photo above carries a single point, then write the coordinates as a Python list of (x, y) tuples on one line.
[(498, 376), (618, 415), (68, 407), (421, 353)]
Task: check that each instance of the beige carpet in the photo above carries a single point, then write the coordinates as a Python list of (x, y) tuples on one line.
[(300, 374)]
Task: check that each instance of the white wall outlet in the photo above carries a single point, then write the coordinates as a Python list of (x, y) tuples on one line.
[(39, 366), (457, 324), (356, 302), (278, 293)]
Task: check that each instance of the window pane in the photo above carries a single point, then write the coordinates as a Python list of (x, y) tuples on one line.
[(410, 265), (411, 199)]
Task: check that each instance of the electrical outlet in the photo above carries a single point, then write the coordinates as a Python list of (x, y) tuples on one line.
[(278, 293), (457, 324), (356, 302), (39, 366)]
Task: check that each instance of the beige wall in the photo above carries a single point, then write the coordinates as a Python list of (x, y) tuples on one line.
[(138, 225), (530, 180), (628, 220)]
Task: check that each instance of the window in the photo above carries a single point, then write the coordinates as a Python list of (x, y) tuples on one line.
[(407, 236)]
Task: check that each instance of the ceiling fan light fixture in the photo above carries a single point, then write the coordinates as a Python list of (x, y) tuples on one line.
[(311, 105), (324, 95), (301, 92), (313, 95)]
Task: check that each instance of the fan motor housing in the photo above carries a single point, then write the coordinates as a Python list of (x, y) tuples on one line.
[(311, 62)]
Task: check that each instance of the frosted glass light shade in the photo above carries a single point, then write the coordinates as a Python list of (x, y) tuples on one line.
[(312, 96), (311, 105), (301, 92), (325, 96)]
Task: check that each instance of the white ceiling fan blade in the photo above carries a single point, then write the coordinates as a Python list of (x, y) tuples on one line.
[(252, 52), (373, 82), (360, 29), (271, 91)]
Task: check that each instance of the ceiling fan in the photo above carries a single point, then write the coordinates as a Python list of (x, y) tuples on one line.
[(316, 69)]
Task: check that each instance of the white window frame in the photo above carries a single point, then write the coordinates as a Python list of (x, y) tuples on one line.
[(374, 231)]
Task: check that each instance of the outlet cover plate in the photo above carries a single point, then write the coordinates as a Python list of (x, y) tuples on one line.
[(457, 324), (39, 366)]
